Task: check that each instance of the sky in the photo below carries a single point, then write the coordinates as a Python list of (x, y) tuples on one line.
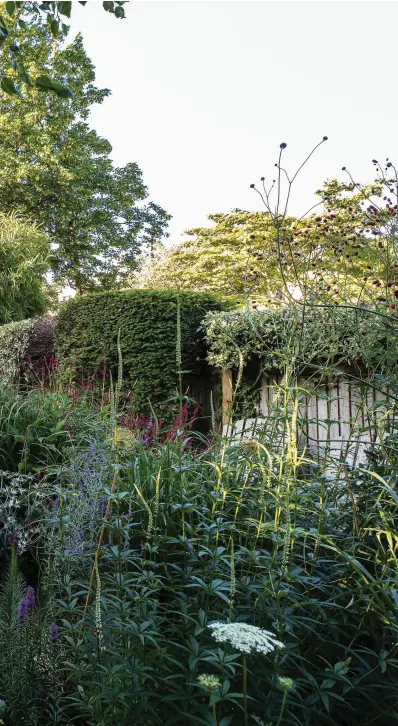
[(204, 91)]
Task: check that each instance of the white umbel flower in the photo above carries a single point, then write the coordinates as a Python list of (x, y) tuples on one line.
[(245, 638)]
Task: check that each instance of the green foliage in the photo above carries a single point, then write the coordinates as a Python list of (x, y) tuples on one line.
[(27, 659), (38, 429), (240, 534), (17, 19), (227, 258), (345, 253), (87, 330), (24, 261), (57, 171), (249, 532), (28, 340), (317, 336)]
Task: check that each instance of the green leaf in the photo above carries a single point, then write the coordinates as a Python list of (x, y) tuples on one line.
[(64, 92), (10, 7), (14, 48), (25, 77), (108, 6), (119, 12), (8, 85), (45, 83), (54, 27), (22, 24), (65, 8)]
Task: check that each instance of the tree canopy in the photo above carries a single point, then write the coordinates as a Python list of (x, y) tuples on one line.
[(236, 256), (345, 253), (57, 171), (24, 261), (16, 19)]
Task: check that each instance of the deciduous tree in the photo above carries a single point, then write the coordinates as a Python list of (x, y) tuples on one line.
[(58, 171)]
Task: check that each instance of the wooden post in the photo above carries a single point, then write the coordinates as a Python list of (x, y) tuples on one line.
[(226, 397)]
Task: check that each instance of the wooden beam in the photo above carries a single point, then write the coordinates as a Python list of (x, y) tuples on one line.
[(227, 385)]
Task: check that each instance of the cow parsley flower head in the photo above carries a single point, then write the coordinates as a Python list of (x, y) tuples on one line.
[(210, 683), (245, 638)]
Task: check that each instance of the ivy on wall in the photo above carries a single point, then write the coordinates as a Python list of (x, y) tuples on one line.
[(303, 336)]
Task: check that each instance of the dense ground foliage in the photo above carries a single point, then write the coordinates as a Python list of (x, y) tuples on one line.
[(123, 550)]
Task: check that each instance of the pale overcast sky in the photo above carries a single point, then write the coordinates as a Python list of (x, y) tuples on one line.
[(203, 93)]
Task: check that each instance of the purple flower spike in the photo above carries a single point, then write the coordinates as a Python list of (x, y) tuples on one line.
[(22, 611), (53, 632), (30, 597)]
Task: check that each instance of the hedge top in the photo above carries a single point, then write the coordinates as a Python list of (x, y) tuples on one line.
[(311, 336), (87, 330)]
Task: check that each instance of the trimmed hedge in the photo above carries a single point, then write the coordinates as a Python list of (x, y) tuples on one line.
[(87, 330), (32, 338)]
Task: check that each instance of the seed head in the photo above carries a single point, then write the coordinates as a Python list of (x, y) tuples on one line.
[(286, 683), (210, 683)]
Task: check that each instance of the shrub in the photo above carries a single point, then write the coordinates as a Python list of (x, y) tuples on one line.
[(24, 261), (87, 332), (38, 429), (28, 340)]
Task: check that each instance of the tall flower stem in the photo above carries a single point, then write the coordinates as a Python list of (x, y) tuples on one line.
[(213, 703), (100, 540), (245, 689), (282, 707)]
